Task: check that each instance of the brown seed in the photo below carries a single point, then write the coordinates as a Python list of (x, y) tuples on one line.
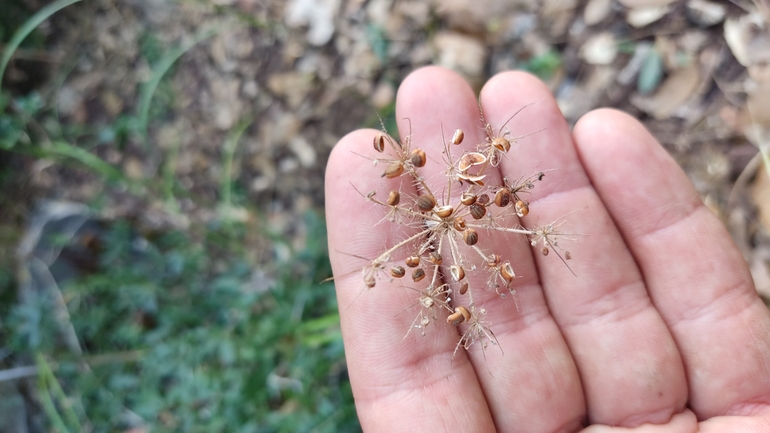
[(393, 198), (459, 224), (463, 288), (418, 274), (544, 250), (413, 261), (493, 260), (398, 271), (522, 208), (444, 211), (470, 159), (426, 202), (540, 176), (501, 144), (468, 198), (457, 271), (370, 281), (460, 315), (470, 236), (458, 136), (478, 211), (567, 255), (379, 143), (418, 158), (435, 258), (483, 199), (506, 271), (502, 197), (394, 170)]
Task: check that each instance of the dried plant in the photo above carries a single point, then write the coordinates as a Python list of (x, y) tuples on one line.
[(447, 231)]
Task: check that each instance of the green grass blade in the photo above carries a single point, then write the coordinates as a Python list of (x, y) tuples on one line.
[(159, 70), (86, 158), (228, 152), (27, 28)]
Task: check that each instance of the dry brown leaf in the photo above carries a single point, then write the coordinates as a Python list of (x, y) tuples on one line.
[(675, 91), (596, 11), (748, 39), (643, 17), (760, 193)]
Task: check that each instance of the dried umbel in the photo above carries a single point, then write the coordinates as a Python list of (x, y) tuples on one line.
[(447, 246)]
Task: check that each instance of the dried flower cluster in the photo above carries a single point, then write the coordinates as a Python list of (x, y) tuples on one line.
[(448, 229)]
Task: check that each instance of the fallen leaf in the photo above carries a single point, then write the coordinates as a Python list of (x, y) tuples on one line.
[(636, 4), (675, 91), (643, 17), (596, 11)]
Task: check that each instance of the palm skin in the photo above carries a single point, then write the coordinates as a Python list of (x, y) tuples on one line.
[(660, 331)]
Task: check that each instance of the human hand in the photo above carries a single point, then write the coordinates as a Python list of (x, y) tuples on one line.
[(660, 331)]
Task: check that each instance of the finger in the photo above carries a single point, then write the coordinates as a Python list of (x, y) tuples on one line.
[(695, 275), (533, 384), (396, 380), (619, 342)]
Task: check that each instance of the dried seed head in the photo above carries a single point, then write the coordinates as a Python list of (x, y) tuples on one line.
[(426, 301), (483, 199), (418, 158), (493, 260), (413, 261), (502, 197), (470, 236), (418, 274), (460, 315), (435, 258), (457, 271), (502, 143), (459, 224), (394, 170), (468, 198), (426, 202), (470, 159), (506, 271), (478, 211), (444, 211), (476, 180), (463, 288), (398, 271), (379, 143), (522, 208), (545, 251), (393, 198), (458, 136)]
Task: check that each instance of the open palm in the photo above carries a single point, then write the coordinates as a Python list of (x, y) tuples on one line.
[(660, 331)]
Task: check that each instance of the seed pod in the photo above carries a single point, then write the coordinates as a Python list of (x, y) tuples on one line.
[(476, 180), (460, 315), (493, 260), (435, 258), (418, 157), (413, 261), (457, 271), (544, 250), (483, 199), (478, 211), (470, 236), (397, 271), (418, 274), (468, 198), (426, 301), (393, 198), (506, 271), (370, 281), (567, 255), (470, 159), (522, 208), (502, 143), (379, 143), (502, 197), (444, 211), (426, 202), (463, 288), (459, 224), (458, 136), (394, 170)]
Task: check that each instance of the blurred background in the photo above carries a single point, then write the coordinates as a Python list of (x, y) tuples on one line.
[(162, 242)]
